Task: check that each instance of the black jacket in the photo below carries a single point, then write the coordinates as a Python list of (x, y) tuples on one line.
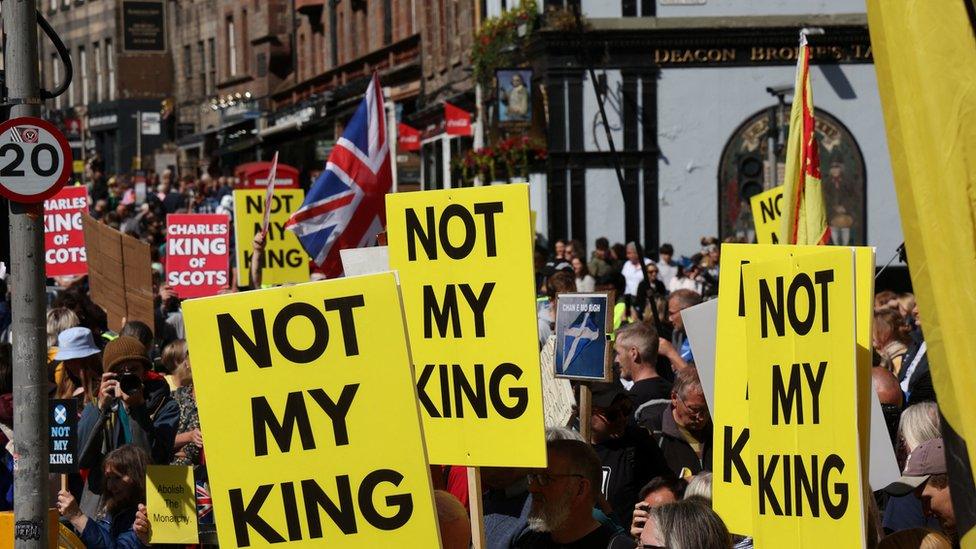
[(678, 454), (152, 427)]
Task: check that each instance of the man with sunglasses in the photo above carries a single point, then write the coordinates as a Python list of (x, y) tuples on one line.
[(563, 497), (682, 426), (628, 454)]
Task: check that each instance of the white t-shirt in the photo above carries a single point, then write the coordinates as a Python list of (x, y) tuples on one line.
[(633, 275), (684, 283), (665, 272)]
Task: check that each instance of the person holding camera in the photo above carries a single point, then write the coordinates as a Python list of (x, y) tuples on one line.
[(134, 407)]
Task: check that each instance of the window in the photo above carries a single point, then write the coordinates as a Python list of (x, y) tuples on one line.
[(54, 5), (83, 76), (56, 77), (187, 62), (97, 52), (212, 67), (231, 48), (110, 65), (387, 22), (202, 55), (245, 43)]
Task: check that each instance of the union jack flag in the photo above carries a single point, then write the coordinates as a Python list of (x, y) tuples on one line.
[(204, 502), (345, 206)]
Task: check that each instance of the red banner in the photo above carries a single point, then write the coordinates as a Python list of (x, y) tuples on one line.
[(64, 239), (457, 120), (408, 138), (197, 254)]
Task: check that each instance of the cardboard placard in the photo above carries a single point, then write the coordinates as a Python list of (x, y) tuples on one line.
[(171, 504), (63, 435), (119, 273), (582, 347), (285, 261), (465, 265), (805, 449), (767, 214), (64, 238), (197, 254), (310, 412)]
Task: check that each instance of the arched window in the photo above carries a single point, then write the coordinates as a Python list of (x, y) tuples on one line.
[(744, 170)]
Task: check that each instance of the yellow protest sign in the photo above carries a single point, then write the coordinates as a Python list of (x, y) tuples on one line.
[(171, 504), (732, 488), (465, 266), (284, 259), (766, 213), (803, 405), (313, 431)]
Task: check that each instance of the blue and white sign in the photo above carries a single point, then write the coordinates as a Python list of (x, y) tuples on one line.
[(582, 346)]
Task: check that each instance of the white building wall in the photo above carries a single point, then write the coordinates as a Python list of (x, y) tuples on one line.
[(594, 135), (604, 207), (700, 108), (722, 8)]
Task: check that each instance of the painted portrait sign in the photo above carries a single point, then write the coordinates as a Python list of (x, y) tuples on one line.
[(514, 95), (744, 171)]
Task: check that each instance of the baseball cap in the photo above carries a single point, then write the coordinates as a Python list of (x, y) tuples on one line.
[(926, 460), (74, 343), (604, 394)]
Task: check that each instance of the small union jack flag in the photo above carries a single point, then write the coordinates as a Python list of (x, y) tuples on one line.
[(204, 503), (345, 206)]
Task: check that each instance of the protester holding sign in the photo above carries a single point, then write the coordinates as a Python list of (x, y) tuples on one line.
[(124, 471)]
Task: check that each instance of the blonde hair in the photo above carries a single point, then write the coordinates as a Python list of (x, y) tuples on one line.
[(59, 319), (174, 355), (919, 423), (915, 538)]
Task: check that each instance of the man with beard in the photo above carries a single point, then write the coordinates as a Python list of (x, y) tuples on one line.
[(563, 497)]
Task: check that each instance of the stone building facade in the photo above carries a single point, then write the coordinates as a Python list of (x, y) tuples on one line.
[(122, 67)]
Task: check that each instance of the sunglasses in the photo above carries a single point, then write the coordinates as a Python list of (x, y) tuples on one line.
[(545, 479)]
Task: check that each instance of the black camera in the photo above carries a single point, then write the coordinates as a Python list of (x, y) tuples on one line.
[(130, 383)]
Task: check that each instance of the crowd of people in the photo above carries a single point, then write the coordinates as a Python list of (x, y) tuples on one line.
[(643, 479)]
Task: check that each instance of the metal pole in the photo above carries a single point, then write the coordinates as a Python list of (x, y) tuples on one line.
[(29, 299), (138, 165), (392, 131), (771, 148)]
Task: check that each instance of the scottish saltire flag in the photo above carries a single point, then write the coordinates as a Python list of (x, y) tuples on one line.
[(345, 206), (580, 334)]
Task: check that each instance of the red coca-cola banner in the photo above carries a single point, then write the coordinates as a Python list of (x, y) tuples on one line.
[(197, 254), (408, 138), (457, 120), (64, 239)]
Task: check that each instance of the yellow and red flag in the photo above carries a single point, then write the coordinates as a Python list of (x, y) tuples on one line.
[(804, 220)]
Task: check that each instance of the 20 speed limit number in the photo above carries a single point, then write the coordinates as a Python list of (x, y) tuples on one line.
[(35, 159)]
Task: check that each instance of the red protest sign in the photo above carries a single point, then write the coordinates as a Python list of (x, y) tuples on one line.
[(197, 258), (64, 239)]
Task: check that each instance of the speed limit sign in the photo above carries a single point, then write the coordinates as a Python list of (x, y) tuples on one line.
[(35, 159)]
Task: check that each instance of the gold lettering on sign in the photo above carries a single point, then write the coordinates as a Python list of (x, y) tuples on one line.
[(700, 55)]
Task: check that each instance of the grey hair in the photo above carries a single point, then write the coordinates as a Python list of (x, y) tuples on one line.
[(643, 336), (685, 381), (919, 423), (690, 524), (582, 460), (59, 319), (562, 433), (700, 485)]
